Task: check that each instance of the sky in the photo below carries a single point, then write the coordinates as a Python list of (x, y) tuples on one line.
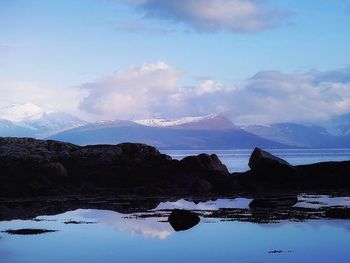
[(255, 61)]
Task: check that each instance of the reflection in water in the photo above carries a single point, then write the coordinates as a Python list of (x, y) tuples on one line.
[(242, 203), (148, 228), (141, 237), (316, 201)]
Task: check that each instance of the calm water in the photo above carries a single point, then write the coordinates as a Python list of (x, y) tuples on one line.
[(237, 160), (116, 237)]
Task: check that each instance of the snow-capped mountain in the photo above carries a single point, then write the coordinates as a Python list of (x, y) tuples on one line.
[(20, 112), (208, 132), (212, 122), (339, 125), (30, 120), (300, 135)]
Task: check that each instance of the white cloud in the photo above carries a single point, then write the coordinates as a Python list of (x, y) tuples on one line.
[(212, 15), (18, 92), (136, 91), (152, 90)]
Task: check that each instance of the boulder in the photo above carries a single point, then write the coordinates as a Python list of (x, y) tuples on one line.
[(204, 162), (261, 159), (182, 220), (271, 169)]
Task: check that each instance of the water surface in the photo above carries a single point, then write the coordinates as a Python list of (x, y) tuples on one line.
[(110, 236), (237, 160)]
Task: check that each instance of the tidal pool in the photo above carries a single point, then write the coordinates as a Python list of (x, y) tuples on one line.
[(108, 236)]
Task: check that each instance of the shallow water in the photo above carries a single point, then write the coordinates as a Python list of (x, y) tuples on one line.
[(237, 160), (109, 236)]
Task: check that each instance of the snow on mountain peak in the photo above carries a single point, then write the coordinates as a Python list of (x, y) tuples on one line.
[(20, 112), (173, 122)]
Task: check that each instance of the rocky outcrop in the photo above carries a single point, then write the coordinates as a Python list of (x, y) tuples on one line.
[(182, 220), (270, 173), (39, 167), (30, 167)]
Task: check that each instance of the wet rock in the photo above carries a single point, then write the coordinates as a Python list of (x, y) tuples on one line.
[(182, 220), (273, 202), (204, 162), (262, 161), (74, 222), (32, 167), (338, 213), (28, 231)]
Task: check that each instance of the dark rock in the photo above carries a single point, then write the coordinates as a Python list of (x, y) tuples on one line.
[(338, 213), (273, 202), (262, 161), (74, 222), (183, 219), (32, 167), (204, 162), (28, 231)]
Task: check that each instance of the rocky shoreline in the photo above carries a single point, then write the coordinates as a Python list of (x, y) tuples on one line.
[(51, 177), (32, 168)]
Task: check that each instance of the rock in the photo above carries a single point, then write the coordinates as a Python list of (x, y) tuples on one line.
[(38, 167), (201, 186), (204, 162), (273, 202), (260, 160), (55, 168), (338, 213), (182, 220), (28, 231), (270, 171)]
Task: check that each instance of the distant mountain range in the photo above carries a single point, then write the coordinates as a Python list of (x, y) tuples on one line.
[(208, 132), (29, 120), (204, 132)]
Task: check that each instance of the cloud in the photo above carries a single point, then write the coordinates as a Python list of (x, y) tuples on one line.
[(136, 91), (153, 90), (244, 16), (272, 96), (18, 92)]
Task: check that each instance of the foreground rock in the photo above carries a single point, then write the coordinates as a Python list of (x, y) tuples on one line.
[(182, 220), (32, 167), (269, 173), (39, 167), (338, 213)]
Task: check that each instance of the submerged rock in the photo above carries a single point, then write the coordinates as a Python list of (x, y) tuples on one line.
[(338, 213), (273, 202), (28, 231), (183, 219)]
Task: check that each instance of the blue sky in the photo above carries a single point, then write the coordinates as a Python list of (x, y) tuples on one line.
[(68, 50)]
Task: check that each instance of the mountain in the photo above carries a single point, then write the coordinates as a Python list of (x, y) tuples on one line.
[(209, 132), (20, 112), (208, 122), (8, 128), (29, 120), (299, 135), (53, 122), (339, 125)]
